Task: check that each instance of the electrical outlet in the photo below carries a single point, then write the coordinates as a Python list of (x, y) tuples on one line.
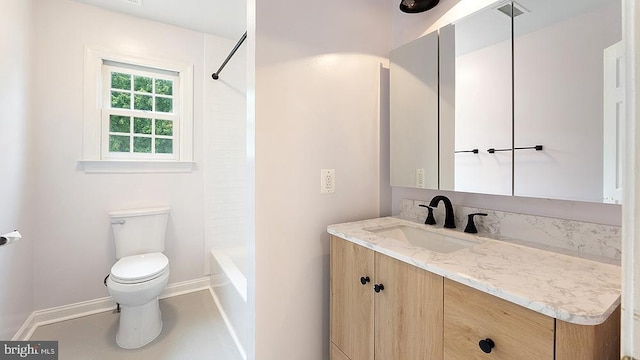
[(420, 178), (327, 181)]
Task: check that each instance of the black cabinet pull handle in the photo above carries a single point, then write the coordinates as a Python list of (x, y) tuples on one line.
[(378, 287), (364, 280), (486, 345)]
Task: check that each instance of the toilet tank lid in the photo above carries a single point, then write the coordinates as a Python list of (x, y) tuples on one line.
[(139, 212)]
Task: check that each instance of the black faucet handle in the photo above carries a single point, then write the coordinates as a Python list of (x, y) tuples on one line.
[(471, 226), (430, 220)]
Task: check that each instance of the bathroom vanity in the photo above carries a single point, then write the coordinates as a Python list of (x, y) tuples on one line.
[(398, 294)]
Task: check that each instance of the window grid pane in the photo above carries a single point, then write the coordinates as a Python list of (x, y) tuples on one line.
[(164, 146), (143, 102), (120, 100), (119, 124), (143, 84), (120, 81), (141, 144), (164, 104), (164, 87), (118, 143), (164, 127), (142, 125)]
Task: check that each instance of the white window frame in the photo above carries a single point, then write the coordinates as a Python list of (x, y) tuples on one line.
[(96, 157), (107, 110)]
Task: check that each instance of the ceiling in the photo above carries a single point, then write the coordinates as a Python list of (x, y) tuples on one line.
[(217, 17)]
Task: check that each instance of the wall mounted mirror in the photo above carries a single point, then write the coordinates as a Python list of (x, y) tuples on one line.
[(568, 97), (528, 106), (480, 68), (414, 110)]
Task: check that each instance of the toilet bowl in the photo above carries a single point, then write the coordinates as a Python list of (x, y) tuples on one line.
[(140, 275), (135, 283)]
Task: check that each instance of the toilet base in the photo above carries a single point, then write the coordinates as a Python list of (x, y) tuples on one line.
[(139, 325)]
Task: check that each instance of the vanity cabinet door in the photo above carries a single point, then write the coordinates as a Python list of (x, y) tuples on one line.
[(516, 332), (408, 312), (337, 354), (351, 301)]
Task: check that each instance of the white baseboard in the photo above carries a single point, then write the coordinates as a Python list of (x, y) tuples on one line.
[(85, 308), (227, 323), (185, 287)]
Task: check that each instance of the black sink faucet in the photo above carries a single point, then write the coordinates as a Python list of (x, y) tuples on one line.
[(449, 221)]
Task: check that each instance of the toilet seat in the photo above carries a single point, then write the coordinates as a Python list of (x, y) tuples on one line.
[(139, 268)]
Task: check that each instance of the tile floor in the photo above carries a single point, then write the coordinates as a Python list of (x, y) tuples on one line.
[(192, 329)]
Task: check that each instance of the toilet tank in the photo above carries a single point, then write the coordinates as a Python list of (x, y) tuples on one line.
[(139, 231)]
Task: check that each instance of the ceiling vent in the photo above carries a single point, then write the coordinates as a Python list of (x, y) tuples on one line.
[(517, 9), (133, 2)]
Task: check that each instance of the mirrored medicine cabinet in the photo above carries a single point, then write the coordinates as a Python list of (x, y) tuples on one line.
[(521, 98)]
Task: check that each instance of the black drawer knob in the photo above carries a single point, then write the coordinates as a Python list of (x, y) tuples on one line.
[(486, 345), (364, 280), (378, 287)]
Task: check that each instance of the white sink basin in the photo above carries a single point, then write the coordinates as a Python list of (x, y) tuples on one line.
[(433, 241)]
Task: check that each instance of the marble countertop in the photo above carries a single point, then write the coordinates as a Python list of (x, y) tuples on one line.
[(570, 289)]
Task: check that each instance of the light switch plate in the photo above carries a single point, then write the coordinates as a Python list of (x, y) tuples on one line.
[(420, 178), (327, 181)]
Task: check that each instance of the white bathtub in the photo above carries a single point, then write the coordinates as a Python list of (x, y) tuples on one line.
[(229, 285), (230, 266)]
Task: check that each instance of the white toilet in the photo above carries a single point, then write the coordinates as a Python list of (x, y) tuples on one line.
[(140, 274)]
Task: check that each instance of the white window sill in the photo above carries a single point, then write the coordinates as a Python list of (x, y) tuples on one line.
[(136, 167)]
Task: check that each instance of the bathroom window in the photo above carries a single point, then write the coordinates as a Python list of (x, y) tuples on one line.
[(138, 114)]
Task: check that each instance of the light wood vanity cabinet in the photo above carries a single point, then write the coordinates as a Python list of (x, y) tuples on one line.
[(351, 303), (472, 316), (420, 315), (401, 321), (519, 333)]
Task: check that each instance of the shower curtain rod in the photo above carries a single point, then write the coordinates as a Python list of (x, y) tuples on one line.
[(216, 74)]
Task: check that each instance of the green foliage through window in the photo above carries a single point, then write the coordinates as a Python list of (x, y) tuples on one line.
[(142, 144), (120, 100), (120, 124), (143, 84), (120, 81), (164, 146), (136, 99), (164, 104), (142, 126), (142, 102), (164, 87), (118, 143), (164, 127)]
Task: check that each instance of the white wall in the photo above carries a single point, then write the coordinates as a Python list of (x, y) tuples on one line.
[(16, 260), (225, 170), (630, 339), (317, 106), (226, 178), (74, 249)]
